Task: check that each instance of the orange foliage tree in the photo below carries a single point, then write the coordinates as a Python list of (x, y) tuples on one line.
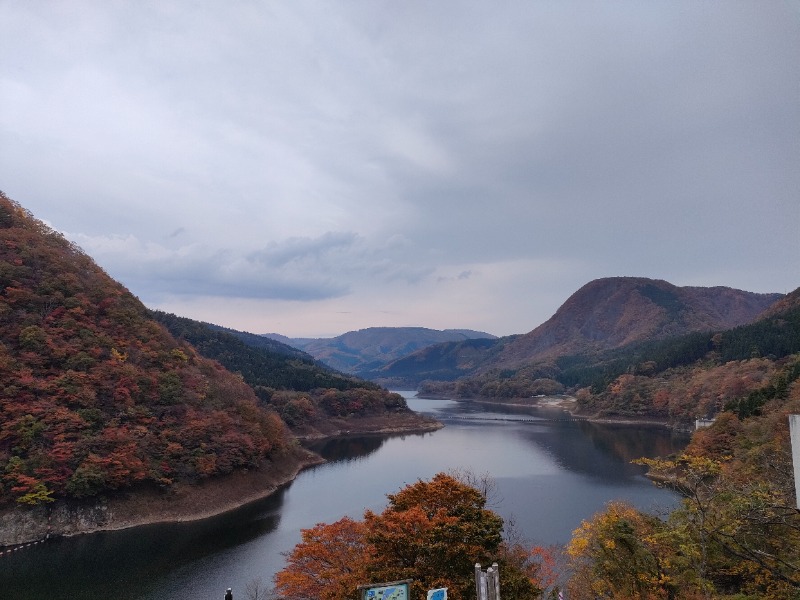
[(328, 564), (432, 532)]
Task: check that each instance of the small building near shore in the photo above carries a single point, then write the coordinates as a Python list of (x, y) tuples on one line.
[(702, 423)]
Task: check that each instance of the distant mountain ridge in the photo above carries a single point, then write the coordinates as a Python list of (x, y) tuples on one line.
[(360, 352), (602, 315), (613, 312), (262, 362)]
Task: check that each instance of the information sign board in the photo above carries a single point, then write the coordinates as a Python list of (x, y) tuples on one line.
[(396, 590)]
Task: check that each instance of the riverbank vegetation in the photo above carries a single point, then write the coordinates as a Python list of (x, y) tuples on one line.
[(736, 534)]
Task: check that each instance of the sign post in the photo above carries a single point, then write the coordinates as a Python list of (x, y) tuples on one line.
[(794, 432), (437, 594)]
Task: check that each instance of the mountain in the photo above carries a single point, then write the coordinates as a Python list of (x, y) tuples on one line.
[(441, 362), (785, 304), (674, 379), (97, 397), (111, 420), (361, 352), (261, 361), (311, 398), (738, 370), (614, 312), (270, 344), (603, 315)]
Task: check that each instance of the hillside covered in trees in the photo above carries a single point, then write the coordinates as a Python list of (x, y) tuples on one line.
[(311, 398), (603, 316), (736, 533), (674, 379), (98, 397), (95, 395)]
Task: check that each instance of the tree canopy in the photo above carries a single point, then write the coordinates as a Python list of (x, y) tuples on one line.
[(432, 532)]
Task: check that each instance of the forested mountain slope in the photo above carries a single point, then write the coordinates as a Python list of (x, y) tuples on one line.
[(618, 311), (736, 533), (312, 399), (272, 344), (95, 396), (673, 380), (604, 315), (698, 375), (261, 361)]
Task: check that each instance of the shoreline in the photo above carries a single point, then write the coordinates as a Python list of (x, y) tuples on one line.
[(411, 423), (183, 503), (143, 507), (195, 502), (568, 404)]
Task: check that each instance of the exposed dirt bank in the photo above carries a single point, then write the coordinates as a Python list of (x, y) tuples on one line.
[(184, 502), (148, 506), (378, 425)]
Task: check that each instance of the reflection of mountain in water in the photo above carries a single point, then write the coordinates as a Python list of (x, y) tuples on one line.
[(604, 450), (346, 449), (629, 442)]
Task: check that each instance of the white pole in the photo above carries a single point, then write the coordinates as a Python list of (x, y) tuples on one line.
[(480, 583), (496, 581), (794, 430)]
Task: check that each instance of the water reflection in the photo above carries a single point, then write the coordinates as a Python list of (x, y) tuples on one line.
[(601, 450), (346, 449), (551, 472), (131, 563)]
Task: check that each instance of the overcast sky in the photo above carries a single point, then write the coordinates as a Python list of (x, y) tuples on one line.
[(315, 167)]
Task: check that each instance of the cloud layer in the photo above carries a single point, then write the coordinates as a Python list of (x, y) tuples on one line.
[(311, 168)]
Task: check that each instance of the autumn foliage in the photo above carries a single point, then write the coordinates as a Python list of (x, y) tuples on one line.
[(432, 532), (737, 530), (303, 392), (329, 563), (94, 395)]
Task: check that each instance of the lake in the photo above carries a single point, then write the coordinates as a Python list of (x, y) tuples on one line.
[(551, 472)]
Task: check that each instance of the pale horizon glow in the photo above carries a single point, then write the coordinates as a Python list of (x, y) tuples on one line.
[(314, 168)]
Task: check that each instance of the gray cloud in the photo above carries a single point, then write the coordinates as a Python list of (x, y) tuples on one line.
[(409, 162), (303, 269)]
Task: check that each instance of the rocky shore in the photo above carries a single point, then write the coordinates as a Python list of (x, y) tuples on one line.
[(185, 502), (372, 425), (182, 502)]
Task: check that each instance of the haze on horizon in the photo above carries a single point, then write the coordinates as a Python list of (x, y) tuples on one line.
[(313, 168)]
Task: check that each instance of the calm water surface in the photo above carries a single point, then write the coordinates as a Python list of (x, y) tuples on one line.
[(551, 472)]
